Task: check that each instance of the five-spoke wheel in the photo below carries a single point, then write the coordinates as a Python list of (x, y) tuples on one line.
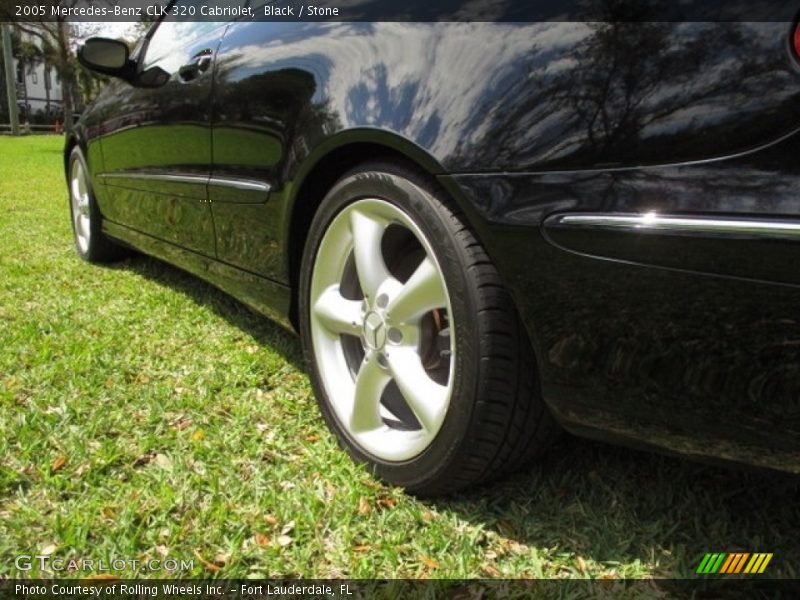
[(417, 357), (380, 322)]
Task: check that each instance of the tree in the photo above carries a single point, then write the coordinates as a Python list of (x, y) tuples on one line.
[(29, 56), (57, 41)]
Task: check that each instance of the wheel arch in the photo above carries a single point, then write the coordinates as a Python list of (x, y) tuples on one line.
[(325, 165)]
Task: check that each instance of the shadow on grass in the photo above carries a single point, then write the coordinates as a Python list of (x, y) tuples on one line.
[(617, 505), (263, 331), (603, 503)]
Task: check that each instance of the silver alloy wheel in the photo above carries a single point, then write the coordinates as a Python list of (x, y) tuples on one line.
[(79, 200), (383, 343)]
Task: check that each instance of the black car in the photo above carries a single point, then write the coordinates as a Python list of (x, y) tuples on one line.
[(483, 231)]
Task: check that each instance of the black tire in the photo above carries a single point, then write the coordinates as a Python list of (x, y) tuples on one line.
[(91, 243), (496, 420)]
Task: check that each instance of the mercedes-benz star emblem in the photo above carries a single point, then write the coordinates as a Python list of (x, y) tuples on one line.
[(375, 331)]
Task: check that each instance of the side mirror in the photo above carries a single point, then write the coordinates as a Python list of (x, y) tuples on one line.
[(106, 56)]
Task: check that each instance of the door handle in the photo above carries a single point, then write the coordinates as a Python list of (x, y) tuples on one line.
[(195, 67)]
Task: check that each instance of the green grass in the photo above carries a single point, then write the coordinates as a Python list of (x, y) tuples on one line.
[(145, 414)]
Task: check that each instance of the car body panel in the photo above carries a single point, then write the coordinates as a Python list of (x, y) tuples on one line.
[(660, 335), (529, 96), (283, 90)]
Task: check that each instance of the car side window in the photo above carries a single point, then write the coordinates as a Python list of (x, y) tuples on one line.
[(179, 28)]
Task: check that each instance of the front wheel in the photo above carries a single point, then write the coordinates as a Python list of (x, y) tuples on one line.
[(90, 242), (415, 352)]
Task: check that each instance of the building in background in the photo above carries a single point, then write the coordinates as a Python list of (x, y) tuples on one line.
[(39, 94)]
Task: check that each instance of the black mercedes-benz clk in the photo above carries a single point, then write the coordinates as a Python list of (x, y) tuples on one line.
[(482, 231)]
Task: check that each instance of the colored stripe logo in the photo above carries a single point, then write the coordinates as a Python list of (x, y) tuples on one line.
[(724, 563)]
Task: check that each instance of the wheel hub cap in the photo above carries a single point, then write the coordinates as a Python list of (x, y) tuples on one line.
[(375, 331)]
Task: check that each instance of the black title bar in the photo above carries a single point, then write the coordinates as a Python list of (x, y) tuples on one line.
[(401, 10)]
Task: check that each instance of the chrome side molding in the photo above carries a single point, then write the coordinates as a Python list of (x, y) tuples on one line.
[(239, 184), (653, 222), (157, 177)]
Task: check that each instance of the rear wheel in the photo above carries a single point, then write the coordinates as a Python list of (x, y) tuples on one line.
[(91, 243), (418, 360)]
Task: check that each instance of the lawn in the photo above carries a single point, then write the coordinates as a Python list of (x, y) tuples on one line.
[(144, 414)]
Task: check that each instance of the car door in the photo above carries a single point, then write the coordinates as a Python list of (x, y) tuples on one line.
[(257, 106), (156, 141)]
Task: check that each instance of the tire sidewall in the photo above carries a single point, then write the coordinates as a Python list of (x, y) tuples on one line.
[(437, 224)]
